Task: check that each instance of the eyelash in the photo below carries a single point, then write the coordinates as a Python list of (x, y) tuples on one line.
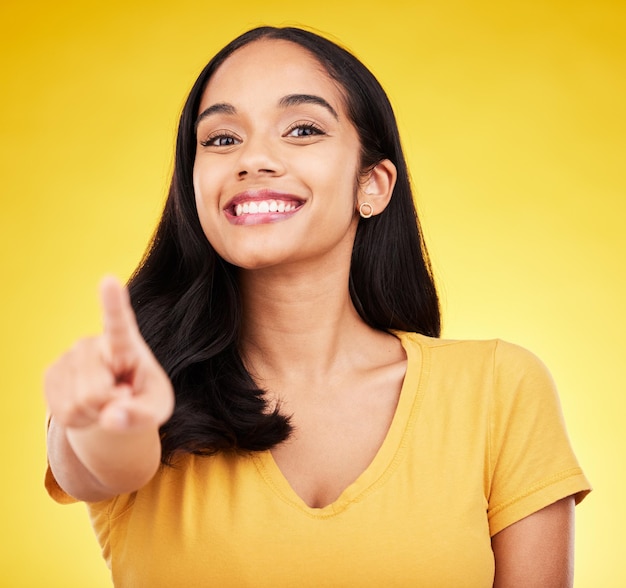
[(211, 140), (310, 128)]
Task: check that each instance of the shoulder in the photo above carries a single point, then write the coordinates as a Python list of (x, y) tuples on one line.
[(500, 376), (501, 356)]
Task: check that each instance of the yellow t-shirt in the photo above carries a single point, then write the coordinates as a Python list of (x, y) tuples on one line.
[(477, 443)]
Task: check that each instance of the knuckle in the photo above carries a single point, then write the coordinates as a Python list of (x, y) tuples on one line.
[(80, 412), (75, 385), (83, 347)]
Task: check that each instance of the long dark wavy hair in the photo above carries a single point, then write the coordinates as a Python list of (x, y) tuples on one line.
[(187, 298)]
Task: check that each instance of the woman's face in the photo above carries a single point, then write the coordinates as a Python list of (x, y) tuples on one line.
[(276, 167)]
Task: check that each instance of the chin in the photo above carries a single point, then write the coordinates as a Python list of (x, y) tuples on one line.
[(255, 261)]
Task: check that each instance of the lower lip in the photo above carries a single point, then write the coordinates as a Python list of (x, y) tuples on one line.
[(260, 218)]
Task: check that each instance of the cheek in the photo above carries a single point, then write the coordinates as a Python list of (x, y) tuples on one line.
[(346, 186), (197, 182), (200, 204), (202, 182), (335, 174), (203, 202)]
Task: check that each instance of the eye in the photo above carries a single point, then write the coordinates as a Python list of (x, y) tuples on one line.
[(220, 139), (303, 130)]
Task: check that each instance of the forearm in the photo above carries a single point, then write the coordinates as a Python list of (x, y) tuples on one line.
[(91, 464)]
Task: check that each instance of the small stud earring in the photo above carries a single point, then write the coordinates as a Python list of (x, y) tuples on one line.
[(366, 210)]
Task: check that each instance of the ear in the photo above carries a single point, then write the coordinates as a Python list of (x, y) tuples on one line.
[(376, 187)]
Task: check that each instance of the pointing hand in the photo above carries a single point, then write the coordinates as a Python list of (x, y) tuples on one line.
[(112, 380)]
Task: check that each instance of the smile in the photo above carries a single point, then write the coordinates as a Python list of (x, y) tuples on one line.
[(264, 206), (254, 207)]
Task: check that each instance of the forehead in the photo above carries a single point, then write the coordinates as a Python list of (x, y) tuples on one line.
[(271, 68)]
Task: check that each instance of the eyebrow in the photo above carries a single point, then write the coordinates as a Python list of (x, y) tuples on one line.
[(284, 102), (219, 108), (296, 99)]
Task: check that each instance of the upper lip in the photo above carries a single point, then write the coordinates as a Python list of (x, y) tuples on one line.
[(259, 195)]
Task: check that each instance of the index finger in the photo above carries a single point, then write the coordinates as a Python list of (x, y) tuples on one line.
[(120, 327)]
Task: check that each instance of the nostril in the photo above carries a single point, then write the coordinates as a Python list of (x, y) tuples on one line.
[(242, 173)]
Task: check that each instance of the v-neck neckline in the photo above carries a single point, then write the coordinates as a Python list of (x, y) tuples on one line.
[(389, 454)]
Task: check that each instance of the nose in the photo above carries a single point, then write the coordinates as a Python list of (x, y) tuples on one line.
[(259, 157)]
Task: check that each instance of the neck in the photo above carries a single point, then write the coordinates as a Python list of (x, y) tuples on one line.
[(298, 322)]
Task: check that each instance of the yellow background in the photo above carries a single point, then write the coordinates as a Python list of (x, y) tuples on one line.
[(512, 115)]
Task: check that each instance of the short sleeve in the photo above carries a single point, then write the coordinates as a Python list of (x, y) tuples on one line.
[(52, 486), (55, 491), (532, 464)]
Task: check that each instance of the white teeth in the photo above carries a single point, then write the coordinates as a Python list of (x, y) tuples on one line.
[(264, 207)]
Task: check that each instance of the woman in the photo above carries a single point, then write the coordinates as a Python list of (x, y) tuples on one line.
[(282, 412)]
